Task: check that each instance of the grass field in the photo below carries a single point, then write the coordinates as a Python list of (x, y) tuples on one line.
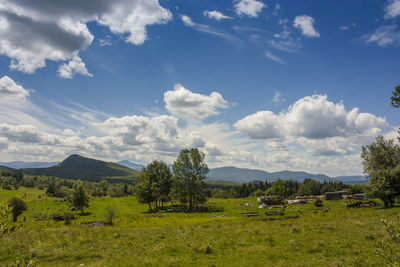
[(305, 236)]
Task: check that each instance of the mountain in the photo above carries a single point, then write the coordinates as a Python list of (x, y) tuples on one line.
[(25, 164), (78, 167), (129, 164), (240, 175)]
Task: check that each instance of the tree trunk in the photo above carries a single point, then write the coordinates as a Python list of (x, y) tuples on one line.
[(81, 210)]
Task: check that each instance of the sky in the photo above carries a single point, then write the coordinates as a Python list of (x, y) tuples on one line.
[(262, 84)]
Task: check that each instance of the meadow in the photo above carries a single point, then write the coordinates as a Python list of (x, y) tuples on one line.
[(305, 236)]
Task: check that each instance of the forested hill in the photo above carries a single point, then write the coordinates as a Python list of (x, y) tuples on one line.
[(78, 167)]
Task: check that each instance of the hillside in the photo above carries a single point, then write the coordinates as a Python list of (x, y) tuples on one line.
[(78, 167), (5, 168), (240, 175)]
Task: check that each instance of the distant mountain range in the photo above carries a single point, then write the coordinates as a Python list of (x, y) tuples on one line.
[(240, 175), (78, 167), (129, 164), (24, 164)]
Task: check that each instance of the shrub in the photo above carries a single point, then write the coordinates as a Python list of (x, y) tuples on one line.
[(18, 206), (110, 215)]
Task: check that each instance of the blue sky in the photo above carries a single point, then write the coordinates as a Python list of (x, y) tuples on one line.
[(274, 85)]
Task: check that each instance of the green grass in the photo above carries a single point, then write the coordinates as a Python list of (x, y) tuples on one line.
[(339, 237)]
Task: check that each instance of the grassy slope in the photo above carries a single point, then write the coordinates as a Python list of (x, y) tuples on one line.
[(340, 237)]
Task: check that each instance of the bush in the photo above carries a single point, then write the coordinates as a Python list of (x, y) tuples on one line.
[(18, 206), (110, 215)]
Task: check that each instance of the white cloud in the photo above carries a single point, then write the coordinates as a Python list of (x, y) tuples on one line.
[(278, 98), (74, 66), (392, 9), (26, 134), (187, 21), (57, 30), (10, 89), (385, 35), (137, 130), (250, 8), (261, 125), (343, 28), (215, 15), (312, 117), (274, 58), (184, 103), (306, 25)]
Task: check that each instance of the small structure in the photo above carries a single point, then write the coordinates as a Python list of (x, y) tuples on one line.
[(335, 195)]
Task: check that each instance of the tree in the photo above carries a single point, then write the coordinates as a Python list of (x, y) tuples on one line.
[(144, 188), (18, 206), (381, 161), (396, 97), (309, 187), (154, 184), (80, 197), (161, 177), (190, 171)]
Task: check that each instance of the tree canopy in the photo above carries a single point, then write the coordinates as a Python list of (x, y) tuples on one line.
[(190, 172), (381, 161), (395, 99), (154, 184)]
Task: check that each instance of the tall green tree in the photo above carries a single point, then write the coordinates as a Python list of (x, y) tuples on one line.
[(190, 172), (381, 161), (154, 184), (144, 188), (80, 197), (395, 99)]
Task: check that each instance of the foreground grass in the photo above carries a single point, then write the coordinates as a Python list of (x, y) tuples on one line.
[(305, 236)]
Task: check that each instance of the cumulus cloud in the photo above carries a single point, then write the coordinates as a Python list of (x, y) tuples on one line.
[(10, 89), (261, 125), (26, 134), (137, 130), (251, 8), (74, 66), (215, 15), (312, 117), (392, 9), (184, 103), (385, 35), (57, 30), (306, 25)]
